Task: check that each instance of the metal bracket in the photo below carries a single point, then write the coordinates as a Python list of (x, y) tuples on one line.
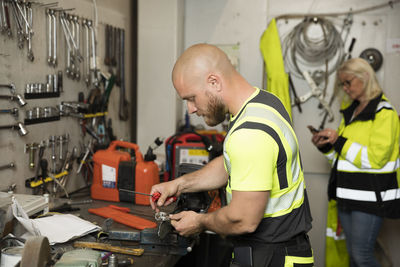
[(315, 92)]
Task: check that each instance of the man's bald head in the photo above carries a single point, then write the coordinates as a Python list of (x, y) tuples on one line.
[(199, 61)]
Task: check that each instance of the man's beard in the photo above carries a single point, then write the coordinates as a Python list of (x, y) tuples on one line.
[(215, 111)]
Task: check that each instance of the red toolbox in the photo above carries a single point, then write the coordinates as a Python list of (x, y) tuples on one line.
[(116, 174)]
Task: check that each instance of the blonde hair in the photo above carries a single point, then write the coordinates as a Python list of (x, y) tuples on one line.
[(364, 72)]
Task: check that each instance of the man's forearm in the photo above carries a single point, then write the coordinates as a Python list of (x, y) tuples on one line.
[(237, 218)]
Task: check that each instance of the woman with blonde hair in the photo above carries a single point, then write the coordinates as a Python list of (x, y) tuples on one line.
[(365, 159)]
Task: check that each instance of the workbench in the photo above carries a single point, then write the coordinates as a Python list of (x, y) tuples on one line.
[(153, 259)]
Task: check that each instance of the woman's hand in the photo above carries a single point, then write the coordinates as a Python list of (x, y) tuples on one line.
[(325, 136)]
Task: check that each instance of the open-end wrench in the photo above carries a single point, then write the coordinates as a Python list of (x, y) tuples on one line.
[(86, 52), (68, 22), (54, 29), (1, 17), (49, 37), (7, 19), (23, 15), (78, 43), (29, 13), (93, 65), (69, 36), (20, 30)]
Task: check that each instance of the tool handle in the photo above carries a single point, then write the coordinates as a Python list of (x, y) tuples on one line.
[(157, 195), (117, 143)]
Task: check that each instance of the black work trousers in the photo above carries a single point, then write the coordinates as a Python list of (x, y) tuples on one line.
[(296, 252)]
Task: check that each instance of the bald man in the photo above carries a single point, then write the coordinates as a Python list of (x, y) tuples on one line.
[(267, 216)]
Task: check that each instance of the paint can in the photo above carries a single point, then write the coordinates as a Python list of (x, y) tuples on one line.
[(10, 256)]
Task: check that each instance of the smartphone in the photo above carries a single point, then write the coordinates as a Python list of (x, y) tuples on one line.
[(312, 129)]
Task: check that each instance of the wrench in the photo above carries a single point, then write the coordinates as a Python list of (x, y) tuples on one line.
[(54, 28), (12, 111), (93, 66), (10, 165), (20, 31), (49, 37), (6, 19), (29, 11), (78, 43), (86, 51)]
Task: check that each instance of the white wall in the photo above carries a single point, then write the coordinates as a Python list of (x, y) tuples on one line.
[(228, 22), (159, 38)]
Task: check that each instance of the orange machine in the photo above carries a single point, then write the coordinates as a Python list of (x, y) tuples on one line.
[(116, 174)]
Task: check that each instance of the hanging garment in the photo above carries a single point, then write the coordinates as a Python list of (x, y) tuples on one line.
[(277, 78), (335, 242)]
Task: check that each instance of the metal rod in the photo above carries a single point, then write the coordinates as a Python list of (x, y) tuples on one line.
[(135, 192)]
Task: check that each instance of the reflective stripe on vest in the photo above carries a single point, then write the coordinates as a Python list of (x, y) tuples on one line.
[(391, 166), (363, 195)]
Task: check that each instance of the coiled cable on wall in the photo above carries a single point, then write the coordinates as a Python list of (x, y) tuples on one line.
[(301, 48)]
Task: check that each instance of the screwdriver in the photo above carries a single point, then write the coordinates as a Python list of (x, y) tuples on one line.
[(154, 197)]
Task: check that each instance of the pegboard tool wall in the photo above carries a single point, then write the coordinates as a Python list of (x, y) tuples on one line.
[(16, 68)]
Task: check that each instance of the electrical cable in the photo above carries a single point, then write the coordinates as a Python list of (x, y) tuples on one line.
[(300, 48), (362, 10)]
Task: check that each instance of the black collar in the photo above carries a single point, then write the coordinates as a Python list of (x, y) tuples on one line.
[(368, 113)]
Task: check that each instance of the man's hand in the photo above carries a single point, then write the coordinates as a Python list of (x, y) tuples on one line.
[(166, 190), (187, 223)]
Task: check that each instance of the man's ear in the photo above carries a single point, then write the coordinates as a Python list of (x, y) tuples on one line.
[(214, 81)]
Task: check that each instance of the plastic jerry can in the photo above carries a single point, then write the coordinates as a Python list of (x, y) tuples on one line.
[(108, 182)]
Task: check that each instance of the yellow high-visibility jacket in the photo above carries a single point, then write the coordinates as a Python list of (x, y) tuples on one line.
[(367, 151)]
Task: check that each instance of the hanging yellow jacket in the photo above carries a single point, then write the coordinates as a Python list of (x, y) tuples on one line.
[(335, 241), (277, 78)]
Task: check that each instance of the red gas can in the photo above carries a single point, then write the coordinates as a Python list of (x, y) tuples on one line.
[(114, 181)]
